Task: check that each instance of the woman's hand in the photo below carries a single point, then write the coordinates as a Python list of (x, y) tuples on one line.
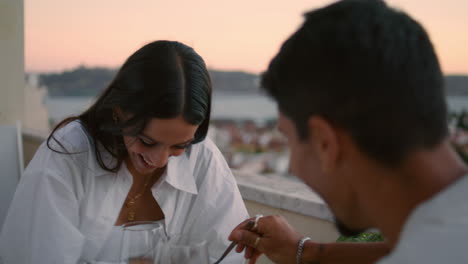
[(272, 236)]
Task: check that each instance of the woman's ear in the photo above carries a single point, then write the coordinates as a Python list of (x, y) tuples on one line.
[(118, 114), (323, 137), (115, 116)]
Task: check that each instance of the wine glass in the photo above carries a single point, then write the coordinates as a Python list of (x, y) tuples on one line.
[(140, 240), (181, 248)]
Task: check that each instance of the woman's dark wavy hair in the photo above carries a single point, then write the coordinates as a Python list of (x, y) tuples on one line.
[(163, 79)]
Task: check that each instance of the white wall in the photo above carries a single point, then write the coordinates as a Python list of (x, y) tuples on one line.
[(11, 61)]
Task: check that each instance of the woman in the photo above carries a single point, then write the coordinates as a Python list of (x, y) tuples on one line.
[(138, 154)]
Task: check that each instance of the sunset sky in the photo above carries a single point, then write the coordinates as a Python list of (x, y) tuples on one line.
[(230, 35)]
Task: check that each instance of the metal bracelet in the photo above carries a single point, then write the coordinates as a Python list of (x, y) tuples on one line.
[(300, 248)]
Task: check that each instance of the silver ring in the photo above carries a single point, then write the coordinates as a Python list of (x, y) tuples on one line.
[(257, 240), (257, 217)]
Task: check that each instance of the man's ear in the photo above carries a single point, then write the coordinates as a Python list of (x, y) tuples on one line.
[(323, 137)]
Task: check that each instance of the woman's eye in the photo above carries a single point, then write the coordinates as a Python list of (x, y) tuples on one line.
[(181, 146), (147, 144)]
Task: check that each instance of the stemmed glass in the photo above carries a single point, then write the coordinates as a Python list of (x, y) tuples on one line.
[(181, 248), (140, 241)]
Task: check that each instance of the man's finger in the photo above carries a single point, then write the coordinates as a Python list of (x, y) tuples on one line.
[(255, 257), (240, 226), (240, 247), (249, 252), (250, 239)]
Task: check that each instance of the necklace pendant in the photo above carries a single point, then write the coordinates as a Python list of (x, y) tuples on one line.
[(131, 216)]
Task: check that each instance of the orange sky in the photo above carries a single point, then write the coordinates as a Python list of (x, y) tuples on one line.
[(230, 35)]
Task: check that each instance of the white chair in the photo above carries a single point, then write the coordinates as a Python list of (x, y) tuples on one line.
[(11, 165)]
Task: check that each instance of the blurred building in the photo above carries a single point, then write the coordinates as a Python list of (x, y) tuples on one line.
[(36, 115)]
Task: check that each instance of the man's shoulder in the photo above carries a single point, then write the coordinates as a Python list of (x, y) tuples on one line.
[(447, 245), (436, 231)]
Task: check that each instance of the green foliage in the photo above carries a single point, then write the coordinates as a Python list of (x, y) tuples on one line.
[(363, 237)]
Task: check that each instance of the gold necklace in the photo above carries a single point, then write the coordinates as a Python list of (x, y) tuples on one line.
[(130, 201)]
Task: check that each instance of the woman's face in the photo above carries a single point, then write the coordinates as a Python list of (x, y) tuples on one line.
[(159, 140)]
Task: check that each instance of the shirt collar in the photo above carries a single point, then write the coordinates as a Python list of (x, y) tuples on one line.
[(106, 158), (179, 173)]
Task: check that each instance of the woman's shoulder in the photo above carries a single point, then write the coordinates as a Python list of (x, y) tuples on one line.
[(64, 158), (69, 144), (206, 150), (73, 137), (208, 160)]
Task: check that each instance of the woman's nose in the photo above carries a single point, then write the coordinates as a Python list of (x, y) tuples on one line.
[(159, 156)]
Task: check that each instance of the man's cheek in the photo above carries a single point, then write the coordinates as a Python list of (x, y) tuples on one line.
[(296, 165)]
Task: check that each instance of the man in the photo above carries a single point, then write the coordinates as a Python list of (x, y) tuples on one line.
[(361, 101)]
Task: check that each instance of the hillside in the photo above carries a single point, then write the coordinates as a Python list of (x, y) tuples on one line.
[(78, 82), (456, 85), (84, 81)]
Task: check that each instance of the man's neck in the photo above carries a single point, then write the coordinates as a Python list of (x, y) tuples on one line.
[(421, 177)]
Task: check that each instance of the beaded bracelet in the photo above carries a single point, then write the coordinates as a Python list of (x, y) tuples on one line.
[(300, 248)]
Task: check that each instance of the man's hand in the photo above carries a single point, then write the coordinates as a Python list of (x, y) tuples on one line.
[(272, 236)]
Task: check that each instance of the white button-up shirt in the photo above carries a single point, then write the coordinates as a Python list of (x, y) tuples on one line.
[(66, 205)]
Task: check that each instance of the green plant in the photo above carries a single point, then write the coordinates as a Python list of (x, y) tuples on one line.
[(363, 237)]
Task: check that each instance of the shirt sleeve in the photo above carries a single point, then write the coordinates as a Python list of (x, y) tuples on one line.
[(229, 211), (42, 222), (224, 206)]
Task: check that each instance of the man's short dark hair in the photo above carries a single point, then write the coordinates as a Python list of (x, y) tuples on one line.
[(368, 69)]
